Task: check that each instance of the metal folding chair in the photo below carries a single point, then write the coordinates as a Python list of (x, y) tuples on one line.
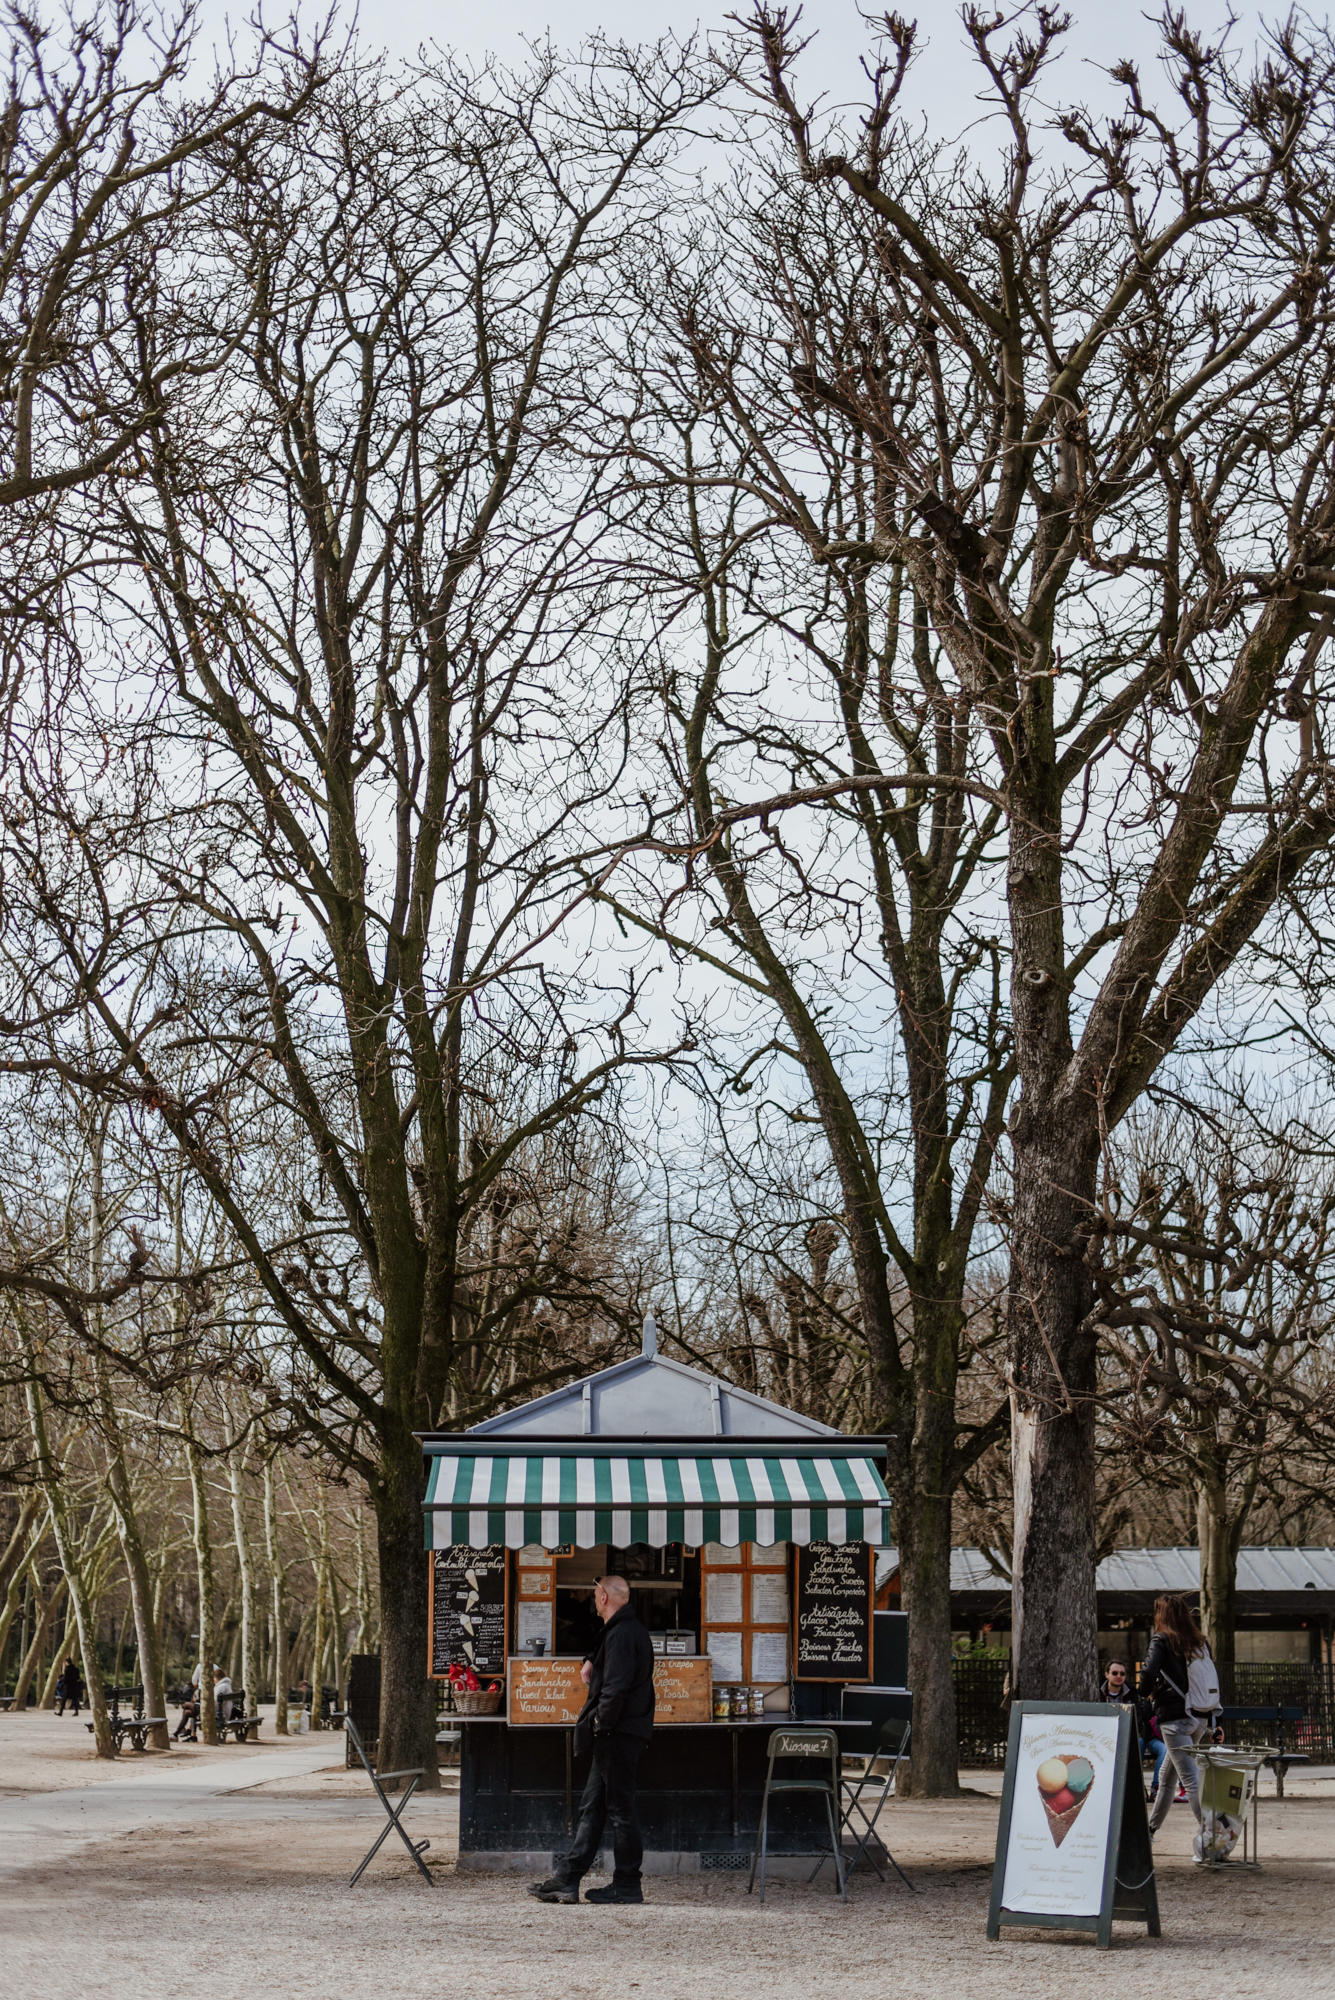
[(816, 1747), (380, 1780), (892, 1741)]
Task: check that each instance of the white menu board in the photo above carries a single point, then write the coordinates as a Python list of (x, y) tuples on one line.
[(533, 1620), (769, 1656), (769, 1597), (723, 1597), (725, 1652)]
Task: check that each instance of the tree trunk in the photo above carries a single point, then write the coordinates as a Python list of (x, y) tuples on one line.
[(318, 1647), (301, 1645), (48, 1695), (118, 1477), (131, 1540), (1054, 1614), (924, 1550), (48, 1474), (337, 1670), (28, 1665), (407, 1698), (1219, 1536), (27, 1544), (250, 1662), (18, 1554), (925, 1481), (277, 1606), (363, 1590), (208, 1637)]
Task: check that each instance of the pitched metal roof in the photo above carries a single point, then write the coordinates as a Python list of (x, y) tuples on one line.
[(1141, 1572), (652, 1397)]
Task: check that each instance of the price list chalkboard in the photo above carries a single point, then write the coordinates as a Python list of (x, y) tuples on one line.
[(469, 1603), (832, 1606)]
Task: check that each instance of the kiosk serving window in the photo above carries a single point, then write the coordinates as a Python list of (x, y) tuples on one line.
[(664, 1588), (746, 1611)]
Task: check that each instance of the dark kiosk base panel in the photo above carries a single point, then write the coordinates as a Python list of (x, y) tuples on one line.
[(699, 1797)]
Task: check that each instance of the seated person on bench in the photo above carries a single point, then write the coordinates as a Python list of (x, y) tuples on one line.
[(222, 1695), (187, 1728)]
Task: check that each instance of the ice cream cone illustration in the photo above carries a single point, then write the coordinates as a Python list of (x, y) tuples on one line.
[(1064, 1783)]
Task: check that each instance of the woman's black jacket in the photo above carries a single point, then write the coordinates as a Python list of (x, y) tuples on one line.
[(1163, 1663)]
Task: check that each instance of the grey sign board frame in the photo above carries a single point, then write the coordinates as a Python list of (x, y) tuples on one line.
[(1128, 1891)]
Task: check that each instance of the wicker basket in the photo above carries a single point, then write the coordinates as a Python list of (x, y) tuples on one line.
[(478, 1701)]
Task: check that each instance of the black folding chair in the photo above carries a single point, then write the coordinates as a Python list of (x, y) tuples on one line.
[(817, 1748), (892, 1742), (380, 1780)]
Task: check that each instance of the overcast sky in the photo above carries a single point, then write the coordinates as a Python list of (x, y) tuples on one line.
[(941, 85)]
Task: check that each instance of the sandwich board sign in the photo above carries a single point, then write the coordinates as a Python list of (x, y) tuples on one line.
[(1073, 1841)]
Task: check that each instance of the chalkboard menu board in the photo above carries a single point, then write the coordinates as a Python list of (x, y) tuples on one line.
[(832, 1608), (468, 1610)]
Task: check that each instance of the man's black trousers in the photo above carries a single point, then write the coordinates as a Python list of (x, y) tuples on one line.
[(609, 1799)]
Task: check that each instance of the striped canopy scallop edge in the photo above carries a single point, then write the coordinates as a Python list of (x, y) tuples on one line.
[(479, 1501)]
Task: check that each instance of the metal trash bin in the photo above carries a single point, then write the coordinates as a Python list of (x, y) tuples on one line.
[(1228, 1806)]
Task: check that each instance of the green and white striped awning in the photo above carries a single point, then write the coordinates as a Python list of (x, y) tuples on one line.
[(480, 1499)]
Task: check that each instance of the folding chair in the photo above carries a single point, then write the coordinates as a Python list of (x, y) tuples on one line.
[(816, 1747), (380, 1780), (892, 1741)]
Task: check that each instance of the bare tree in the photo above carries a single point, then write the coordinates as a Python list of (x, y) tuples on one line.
[(365, 570), (1214, 1274), (1093, 389), (836, 836), (108, 145)]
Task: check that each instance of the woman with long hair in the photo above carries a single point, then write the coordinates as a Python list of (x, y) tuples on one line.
[(1166, 1679)]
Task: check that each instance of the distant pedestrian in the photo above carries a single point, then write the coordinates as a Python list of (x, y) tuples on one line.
[(1117, 1688), (1179, 1677), (69, 1688)]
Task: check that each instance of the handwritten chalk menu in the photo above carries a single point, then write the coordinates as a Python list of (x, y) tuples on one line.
[(1073, 1843), (832, 1606), (468, 1610), (683, 1691), (545, 1691)]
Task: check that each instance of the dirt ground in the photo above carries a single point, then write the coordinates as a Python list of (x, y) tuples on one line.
[(44, 1752), (257, 1901)]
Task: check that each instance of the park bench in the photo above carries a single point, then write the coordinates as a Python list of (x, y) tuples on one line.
[(133, 1727), (298, 1697), (1280, 1757), (235, 1722)]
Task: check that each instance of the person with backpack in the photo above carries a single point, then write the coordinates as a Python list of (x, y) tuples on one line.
[(1180, 1678)]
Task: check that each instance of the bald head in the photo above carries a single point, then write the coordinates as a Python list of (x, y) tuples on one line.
[(609, 1594)]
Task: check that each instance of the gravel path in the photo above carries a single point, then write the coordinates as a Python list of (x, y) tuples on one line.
[(246, 1892)]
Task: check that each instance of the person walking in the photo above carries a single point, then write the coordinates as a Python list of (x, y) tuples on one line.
[(1117, 1689), (69, 1688), (616, 1723), (1179, 1678)]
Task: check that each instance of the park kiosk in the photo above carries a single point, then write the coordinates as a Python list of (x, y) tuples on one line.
[(747, 1533)]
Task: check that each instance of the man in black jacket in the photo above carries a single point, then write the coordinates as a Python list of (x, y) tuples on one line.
[(615, 1722)]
